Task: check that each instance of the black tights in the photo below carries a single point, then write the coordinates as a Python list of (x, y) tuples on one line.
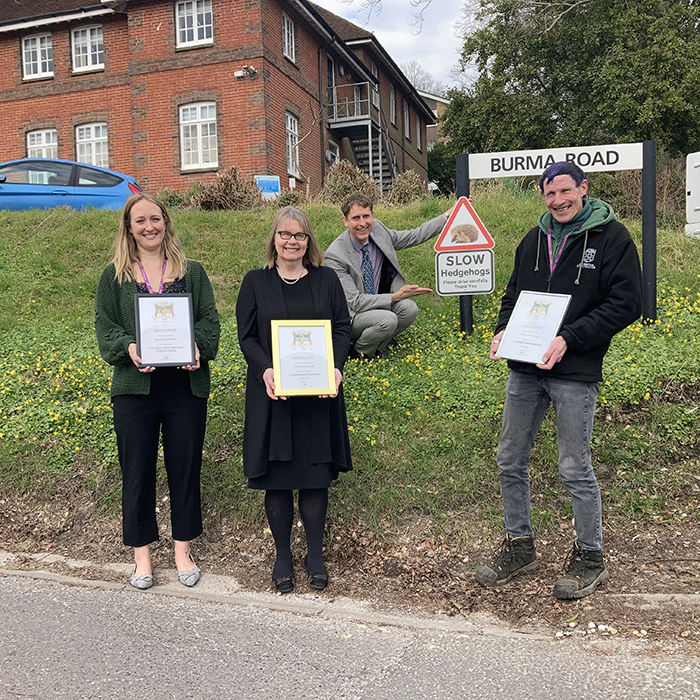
[(279, 507)]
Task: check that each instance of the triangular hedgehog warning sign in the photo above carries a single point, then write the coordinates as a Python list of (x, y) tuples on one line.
[(463, 230)]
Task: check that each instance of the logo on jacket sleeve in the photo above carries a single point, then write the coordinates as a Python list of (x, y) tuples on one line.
[(588, 258)]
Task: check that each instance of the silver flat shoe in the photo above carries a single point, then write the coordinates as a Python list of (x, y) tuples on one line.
[(189, 578), (142, 582)]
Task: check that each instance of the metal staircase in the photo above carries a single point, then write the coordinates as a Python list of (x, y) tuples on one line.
[(357, 115)]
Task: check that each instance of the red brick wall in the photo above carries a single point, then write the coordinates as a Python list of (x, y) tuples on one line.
[(146, 79)]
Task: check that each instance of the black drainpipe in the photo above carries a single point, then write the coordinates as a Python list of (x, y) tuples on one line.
[(321, 120)]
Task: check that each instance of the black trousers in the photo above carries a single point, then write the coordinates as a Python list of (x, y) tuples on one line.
[(138, 422)]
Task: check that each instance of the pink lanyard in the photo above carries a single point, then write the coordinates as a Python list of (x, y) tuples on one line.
[(553, 262), (162, 274)]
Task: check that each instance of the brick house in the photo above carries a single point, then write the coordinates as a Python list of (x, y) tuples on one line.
[(439, 106), (173, 91)]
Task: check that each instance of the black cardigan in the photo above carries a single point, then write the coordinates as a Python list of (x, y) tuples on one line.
[(269, 424)]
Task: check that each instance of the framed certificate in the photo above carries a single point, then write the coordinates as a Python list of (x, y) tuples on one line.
[(164, 330), (302, 358), (533, 325)]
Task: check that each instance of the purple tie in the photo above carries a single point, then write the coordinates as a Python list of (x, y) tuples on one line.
[(367, 272)]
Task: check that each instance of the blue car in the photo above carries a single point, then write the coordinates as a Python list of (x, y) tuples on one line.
[(40, 183)]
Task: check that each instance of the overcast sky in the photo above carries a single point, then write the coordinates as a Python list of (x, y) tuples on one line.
[(436, 47)]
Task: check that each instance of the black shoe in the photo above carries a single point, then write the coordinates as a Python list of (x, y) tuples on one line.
[(318, 580), (516, 555), (284, 584), (284, 581), (585, 571)]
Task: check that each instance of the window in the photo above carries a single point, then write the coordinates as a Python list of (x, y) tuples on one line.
[(88, 49), (37, 54), (194, 23), (288, 38), (87, 177), (91, 144), (392, 103), (406, 121), (198, 141), (375, 89), (418, 145), (333, 154), (33, 173), (292, 129), (42, 144)]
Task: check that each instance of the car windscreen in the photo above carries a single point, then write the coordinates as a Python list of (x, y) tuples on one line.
[(87, 177), (52, 174)]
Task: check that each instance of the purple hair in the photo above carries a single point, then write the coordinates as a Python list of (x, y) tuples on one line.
[(563, 167)]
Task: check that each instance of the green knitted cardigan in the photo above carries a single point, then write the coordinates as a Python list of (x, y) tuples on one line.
[(115, 325)]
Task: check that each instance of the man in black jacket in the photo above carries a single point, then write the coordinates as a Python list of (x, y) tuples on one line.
[(578, 248)]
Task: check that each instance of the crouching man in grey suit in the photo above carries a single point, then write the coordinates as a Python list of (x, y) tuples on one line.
[(364, 257)]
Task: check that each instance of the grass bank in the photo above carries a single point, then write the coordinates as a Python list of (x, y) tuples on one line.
[(424, 422)]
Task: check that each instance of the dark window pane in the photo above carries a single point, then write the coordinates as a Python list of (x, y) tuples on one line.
[(88, 177)]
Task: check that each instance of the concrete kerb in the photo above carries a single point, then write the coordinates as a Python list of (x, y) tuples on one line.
[(226, 590)]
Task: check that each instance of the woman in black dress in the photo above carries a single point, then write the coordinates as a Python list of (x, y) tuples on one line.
[(299, 442)]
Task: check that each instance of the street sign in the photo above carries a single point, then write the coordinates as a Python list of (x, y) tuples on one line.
[(463, 230), (464, 272), (620, 156)]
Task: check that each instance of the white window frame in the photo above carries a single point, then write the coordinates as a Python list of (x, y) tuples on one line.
[(418, 143), (376, 101), (392, 103), (37, 56), (92, 144), (291, 129), (199, 144), (356, 100), (194, 17), (407, 121), (42, 143), (288, 38), (87, 48), (334, 150)]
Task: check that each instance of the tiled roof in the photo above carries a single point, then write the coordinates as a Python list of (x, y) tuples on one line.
[(14, 10), (344, 29)]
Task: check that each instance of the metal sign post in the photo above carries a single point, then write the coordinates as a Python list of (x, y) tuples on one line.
[(466, 309)]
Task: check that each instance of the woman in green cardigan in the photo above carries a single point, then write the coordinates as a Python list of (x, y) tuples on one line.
[(146, 401)]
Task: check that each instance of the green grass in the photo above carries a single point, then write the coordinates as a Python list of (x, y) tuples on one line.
[(424, 423)]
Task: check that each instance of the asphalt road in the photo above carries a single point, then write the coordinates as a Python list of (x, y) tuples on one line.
[(86, 640)]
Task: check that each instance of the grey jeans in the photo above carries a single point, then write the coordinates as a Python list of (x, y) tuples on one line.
[(373, 330), (527, 400)]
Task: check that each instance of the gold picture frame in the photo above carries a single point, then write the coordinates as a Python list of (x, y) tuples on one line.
[(302, 357)]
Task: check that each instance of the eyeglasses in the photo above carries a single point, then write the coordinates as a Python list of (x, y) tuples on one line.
[(286, 235)]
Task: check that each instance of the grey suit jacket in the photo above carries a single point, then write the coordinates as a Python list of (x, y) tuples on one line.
[(342, 258)]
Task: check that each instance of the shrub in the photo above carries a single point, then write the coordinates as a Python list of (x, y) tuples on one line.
[(290, 198), (406, 188), (344, 179), (231, 190), (171, 198)]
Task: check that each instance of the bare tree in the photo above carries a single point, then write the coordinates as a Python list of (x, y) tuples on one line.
[(375, 6), (421, 79)]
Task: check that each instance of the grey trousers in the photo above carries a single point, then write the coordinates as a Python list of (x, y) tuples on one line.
[(373, 330)]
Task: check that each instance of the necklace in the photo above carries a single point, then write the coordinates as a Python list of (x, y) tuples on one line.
[(287, 281)]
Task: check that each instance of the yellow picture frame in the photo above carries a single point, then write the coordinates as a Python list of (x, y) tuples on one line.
[(302, 357)]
